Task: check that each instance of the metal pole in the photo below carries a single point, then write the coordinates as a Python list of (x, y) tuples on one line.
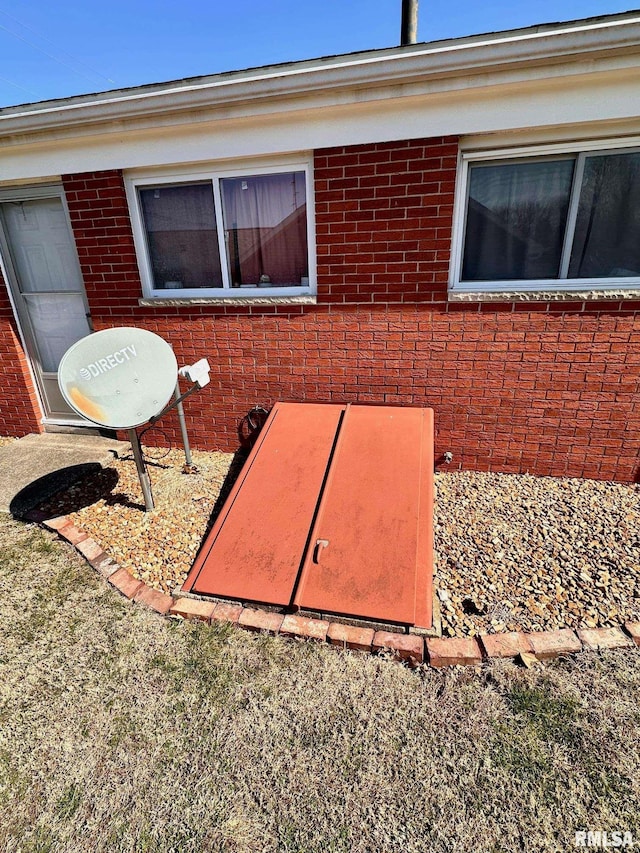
[(183, 428), (143, 476), (409, 27)]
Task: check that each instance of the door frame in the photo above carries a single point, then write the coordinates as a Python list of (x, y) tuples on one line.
[(29, 346)]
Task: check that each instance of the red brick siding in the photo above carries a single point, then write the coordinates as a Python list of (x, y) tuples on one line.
[(383, 221), (507, 391), (102, 230), (544, 387)]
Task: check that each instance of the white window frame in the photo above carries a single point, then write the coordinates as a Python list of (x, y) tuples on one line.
[(214, 174), (580, 150)]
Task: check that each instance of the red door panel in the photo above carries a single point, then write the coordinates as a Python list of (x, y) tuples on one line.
[(371, 551), (254, 550), (333, 512)]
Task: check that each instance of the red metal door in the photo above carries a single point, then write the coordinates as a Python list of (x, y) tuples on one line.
[(371, 549), (333, 512)]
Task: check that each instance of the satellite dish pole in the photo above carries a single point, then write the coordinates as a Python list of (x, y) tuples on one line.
[(188, 461), (143, 474), (198, 374)]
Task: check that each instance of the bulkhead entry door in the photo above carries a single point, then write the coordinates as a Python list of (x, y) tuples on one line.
[(332, 514)]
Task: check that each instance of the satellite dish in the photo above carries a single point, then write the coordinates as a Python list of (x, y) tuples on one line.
[(118, 378)]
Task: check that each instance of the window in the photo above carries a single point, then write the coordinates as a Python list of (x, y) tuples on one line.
[(223, 234), (560, 221), (182, 236)]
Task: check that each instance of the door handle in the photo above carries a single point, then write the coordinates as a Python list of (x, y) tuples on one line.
[(320, 544)]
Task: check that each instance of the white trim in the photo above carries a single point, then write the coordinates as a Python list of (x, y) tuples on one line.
[(69, 423), (27, 357), (31, 193), (459, 218), (510, 287), (214, 173), (585, 103), (590, 145), (572, 215), (220, 232)]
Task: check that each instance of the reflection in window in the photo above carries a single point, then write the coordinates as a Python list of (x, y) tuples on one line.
[(182, 237), (263, 244), (607, 235), (567, 218), (516, 219), (265, 221)]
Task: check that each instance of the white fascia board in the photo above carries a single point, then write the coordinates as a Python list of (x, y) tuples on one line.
[(423, 64), (585, 90), (585, 105)]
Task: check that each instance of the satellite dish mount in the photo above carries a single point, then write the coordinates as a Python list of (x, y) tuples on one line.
[(123, 378)]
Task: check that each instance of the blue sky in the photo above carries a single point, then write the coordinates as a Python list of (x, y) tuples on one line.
[(58, 48)]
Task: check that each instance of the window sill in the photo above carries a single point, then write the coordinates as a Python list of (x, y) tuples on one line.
[(584, 295), (160, 302)]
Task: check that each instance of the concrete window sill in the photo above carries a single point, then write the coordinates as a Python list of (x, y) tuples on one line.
[(229, 301), (587, 295)]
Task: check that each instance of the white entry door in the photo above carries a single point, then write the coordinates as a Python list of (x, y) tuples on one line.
[(41, 263)]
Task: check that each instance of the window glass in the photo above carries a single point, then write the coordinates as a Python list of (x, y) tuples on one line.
[(265, 224), (182, 237), (607, 233), (516, 219)]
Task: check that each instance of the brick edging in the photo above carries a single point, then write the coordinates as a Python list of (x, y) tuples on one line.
[(411, 649)]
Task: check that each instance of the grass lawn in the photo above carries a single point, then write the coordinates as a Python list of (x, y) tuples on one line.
[(121, 731)]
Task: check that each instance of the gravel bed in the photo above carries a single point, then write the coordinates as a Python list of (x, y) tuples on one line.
[(517, 552), (157, 547), (513, 552)]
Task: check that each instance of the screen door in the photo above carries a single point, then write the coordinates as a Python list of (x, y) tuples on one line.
[(48, 291)]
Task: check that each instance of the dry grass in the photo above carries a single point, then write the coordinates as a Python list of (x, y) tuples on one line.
[(120, 731)]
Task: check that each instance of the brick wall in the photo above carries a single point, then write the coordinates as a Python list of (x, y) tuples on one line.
[(543, 387), (102, 230), (383, 222)]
